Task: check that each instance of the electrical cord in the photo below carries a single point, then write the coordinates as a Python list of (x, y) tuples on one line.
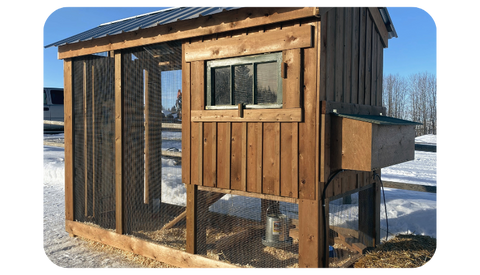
[(384, 200), (331, 177)]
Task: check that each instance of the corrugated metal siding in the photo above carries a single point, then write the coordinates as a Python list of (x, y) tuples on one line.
[(149, 20)]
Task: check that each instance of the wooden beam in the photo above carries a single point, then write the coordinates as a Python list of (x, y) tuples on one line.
[(118, 143), (204, 25), (68, 137), (289, 38), (249, 115), (248, 194), (148, 249)]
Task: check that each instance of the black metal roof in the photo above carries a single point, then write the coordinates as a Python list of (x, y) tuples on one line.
[(380, 120)]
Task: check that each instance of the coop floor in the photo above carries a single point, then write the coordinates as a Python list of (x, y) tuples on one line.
[(241, 247)]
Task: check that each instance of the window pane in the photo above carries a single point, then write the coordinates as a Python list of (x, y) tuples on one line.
[(267, 83), (221, 91), (243, 79), (57, 96), (44, 98)]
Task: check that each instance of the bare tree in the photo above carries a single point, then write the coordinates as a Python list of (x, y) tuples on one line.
[(422, 95), (395, 96), (412, 98)]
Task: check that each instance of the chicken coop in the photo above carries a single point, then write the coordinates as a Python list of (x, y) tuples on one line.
[(224, 137)]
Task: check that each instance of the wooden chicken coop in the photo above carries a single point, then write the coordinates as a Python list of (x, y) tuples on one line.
[(274, 102)]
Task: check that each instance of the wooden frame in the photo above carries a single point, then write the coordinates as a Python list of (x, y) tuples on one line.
[(223, 22), (331, 61), (148, 249)]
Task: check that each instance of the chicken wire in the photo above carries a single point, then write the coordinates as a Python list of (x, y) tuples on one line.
[(232, 228), (344, 229), (94, 142), (152, 96)]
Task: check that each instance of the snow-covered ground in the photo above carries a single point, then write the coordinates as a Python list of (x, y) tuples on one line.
[(408, 211)]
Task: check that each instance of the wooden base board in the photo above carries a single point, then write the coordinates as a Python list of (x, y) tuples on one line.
[(151, 250)]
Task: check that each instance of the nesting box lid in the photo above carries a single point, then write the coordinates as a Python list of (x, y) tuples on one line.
[(380, 120)]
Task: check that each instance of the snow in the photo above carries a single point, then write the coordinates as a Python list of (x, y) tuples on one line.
[(408, 211)]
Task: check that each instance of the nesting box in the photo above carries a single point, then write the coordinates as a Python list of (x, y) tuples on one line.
[(271, 103), (371, 142)]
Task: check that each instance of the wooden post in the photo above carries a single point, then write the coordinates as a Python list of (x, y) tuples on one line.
[(118, 143), (196, 227), (68, 132), (85, 136), (311, 232), (191, 245), (93, 141), (146, 115), (369, 215)]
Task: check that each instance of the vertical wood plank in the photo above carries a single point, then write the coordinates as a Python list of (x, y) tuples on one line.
[(294, 183), (306, 160), (214, 154), (223, 155), (339, 56), (210, 154), (362, 49), (200, 153), (236, 156), (330, 52), (244, 157), (322, 47), (286, 155), (347, 72), (252, 152), (186, 137), (375, 37), (291, 84), (318, 149), (118, 143), (197, 103), (368, 59), (260, 157), (355, 54), (271, 159), (68, 137), (379, 73)]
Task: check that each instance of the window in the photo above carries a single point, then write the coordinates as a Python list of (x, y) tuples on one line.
[(254, 81), (43, 97), (57, 96)]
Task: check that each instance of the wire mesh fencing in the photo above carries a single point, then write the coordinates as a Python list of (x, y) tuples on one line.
[(246, 231), (94, 143)]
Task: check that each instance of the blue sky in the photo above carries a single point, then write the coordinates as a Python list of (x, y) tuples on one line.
[(413, 51)]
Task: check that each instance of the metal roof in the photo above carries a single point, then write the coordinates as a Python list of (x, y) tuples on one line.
[(143, 21), (166, 16), (380, 120)]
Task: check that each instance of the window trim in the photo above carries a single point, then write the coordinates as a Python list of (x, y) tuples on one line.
[(244, 60)]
